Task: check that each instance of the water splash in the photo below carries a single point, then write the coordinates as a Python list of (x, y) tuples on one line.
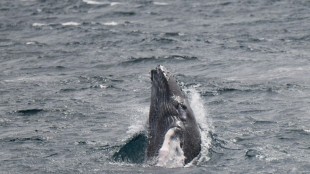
[(205, 125), (138, 121), (169, 158)]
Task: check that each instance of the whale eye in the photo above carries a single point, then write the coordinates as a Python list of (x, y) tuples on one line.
[(182, 112), (183, 106)]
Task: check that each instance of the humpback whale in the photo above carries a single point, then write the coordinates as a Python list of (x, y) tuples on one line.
[(173, 131)]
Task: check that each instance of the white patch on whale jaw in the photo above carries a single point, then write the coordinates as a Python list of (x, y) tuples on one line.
[(171, 154)]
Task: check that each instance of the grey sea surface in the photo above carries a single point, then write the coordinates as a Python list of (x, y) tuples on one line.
[(75, 83)]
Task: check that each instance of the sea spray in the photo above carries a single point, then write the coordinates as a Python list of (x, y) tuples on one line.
[(204, 122), (138, 120)]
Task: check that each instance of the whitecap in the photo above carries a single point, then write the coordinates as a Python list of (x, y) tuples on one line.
[(307, 130), (115, 3), (91, 2), (103, 86), (30, 43), (38, 24), (70, 24), (160, 3), (110, 23)]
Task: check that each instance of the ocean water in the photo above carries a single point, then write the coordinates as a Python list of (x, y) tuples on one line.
[(75, 83)]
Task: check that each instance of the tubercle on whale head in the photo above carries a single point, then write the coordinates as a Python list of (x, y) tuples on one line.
[(160, 73), (165, 82)]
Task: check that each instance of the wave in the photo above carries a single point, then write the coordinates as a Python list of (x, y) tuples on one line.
[(160, 3), (71, 23), (225, 87), (33, 139), (158, 59), (91, 2), (29, 111)]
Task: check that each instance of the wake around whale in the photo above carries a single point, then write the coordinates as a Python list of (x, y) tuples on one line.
[(173, 135)]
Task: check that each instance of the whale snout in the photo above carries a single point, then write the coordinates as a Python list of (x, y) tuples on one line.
[(160, 73)]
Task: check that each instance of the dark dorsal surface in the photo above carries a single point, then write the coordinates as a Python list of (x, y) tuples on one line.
[(170, 108)]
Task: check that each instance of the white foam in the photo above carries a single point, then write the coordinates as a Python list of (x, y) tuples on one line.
[(30, 43), (115, 3), (204, 123), (70, 24), (171, 154), (91, 2), (110, 23), (307, 130), (160, 3), (38, 24), (103, 86)]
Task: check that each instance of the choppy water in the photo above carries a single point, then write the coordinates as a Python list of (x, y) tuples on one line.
[(75, 84)]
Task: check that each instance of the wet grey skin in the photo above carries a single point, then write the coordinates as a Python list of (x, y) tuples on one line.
[(170, 109)]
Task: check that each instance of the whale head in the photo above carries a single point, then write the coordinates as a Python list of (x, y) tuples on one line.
[(170, 110), (167, 98)]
